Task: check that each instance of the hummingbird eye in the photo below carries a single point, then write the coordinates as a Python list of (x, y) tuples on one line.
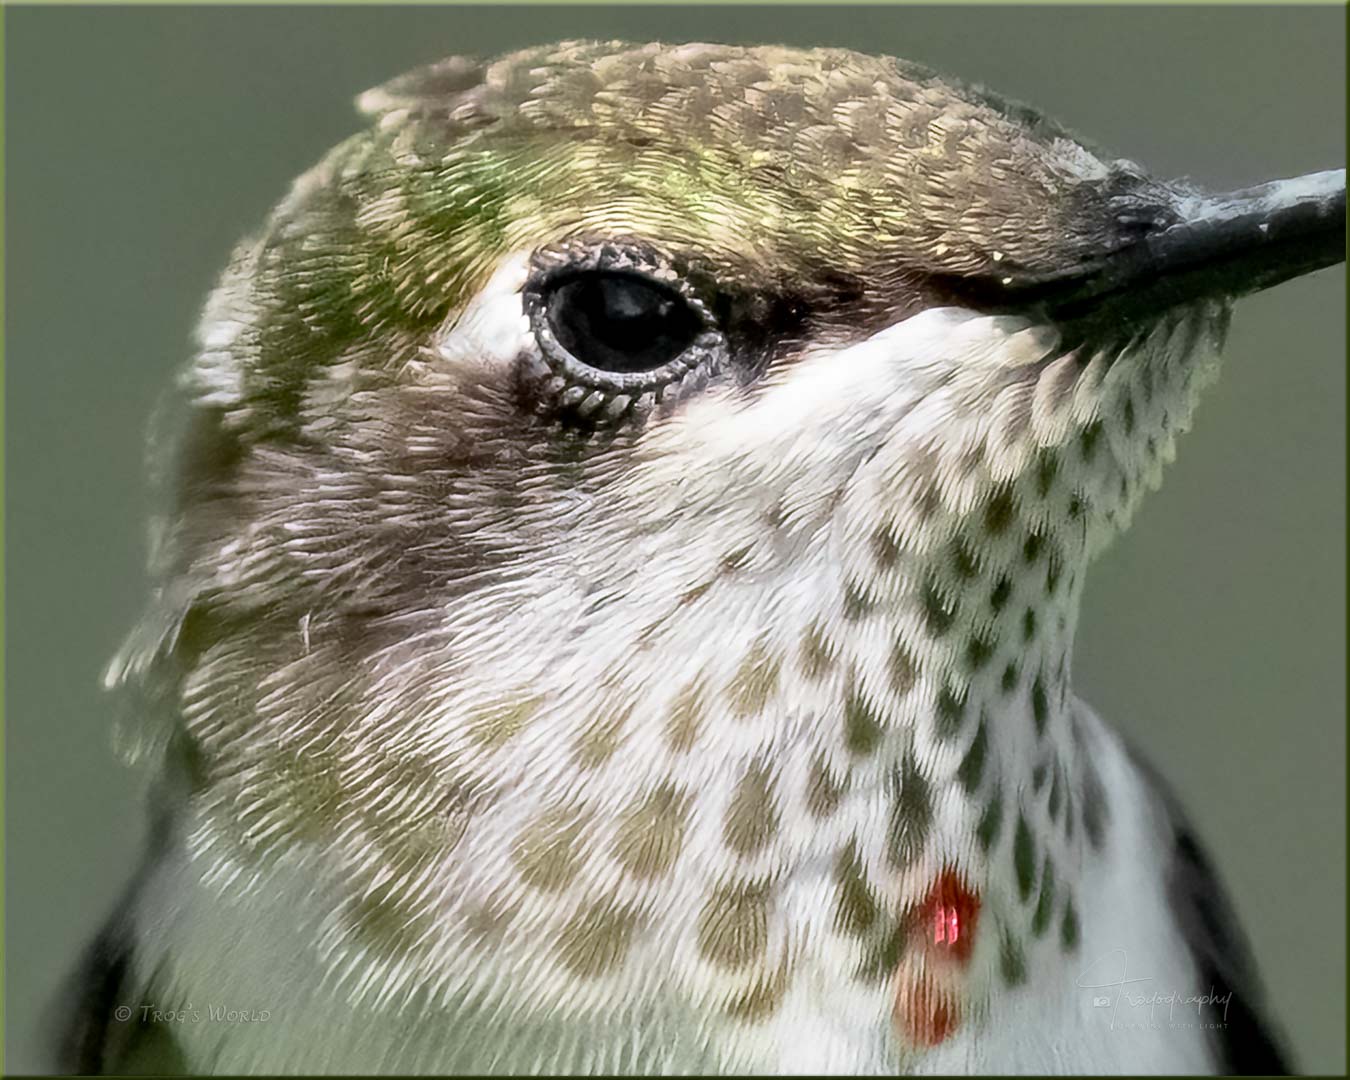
[(620, 331), (619, 322)]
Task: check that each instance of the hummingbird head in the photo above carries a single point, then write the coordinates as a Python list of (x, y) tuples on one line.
[(624, 475)]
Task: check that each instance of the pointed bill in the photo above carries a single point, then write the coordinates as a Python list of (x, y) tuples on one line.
[(1218, 246)]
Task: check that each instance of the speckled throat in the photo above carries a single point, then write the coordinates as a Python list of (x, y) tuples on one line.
[(717, 789)]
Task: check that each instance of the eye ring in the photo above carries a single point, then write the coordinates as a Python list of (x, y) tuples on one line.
[(607, 278)]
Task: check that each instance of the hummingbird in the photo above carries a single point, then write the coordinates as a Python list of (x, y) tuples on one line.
[(615, 601)]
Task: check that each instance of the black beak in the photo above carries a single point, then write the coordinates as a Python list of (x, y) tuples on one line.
[(1215, 246)]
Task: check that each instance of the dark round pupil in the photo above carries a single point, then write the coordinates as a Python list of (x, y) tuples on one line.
[(620, 322)]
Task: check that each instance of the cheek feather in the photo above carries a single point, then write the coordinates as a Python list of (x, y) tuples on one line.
[(491, 332)]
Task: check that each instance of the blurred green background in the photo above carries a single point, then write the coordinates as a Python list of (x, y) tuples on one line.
[(142, 142)]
